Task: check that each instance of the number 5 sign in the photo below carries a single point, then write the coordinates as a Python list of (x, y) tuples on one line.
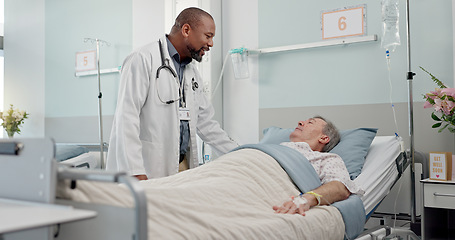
[(85, 61), (343, 23)]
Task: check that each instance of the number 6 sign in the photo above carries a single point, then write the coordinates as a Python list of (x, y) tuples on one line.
[(343, 23)]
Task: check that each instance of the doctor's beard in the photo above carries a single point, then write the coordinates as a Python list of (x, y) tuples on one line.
[(196, 54)]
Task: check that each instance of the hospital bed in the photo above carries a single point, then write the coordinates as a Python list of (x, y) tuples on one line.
[(229, 198), (79, 155)]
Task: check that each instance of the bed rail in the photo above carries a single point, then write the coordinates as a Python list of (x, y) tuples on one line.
[(131, 182), (402, 162)]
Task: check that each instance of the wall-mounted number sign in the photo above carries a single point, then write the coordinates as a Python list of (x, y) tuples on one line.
[(86, 61), (344, 22)]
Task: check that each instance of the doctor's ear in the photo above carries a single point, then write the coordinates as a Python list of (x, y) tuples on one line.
[(186, 28)]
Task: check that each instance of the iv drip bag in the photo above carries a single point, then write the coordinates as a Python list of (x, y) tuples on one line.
[(390, 25)]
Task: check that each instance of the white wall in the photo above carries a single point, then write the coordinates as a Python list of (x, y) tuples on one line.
[(24, 62), (241, 97), (148, 21)]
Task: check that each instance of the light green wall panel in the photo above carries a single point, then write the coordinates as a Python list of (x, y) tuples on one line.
[(67, 24), (352, 74)]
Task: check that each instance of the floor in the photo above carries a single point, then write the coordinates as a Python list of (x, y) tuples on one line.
[(403, 223)]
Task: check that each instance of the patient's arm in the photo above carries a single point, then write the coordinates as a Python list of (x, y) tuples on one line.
[(331, 192)]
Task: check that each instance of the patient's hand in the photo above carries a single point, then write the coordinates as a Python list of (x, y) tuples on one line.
[(289, 207), (141, 177)]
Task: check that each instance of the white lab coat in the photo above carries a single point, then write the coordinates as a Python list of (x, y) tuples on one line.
[(145, 136)]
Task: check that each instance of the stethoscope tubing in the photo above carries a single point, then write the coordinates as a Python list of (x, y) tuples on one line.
[(173, 73), (195, 85)]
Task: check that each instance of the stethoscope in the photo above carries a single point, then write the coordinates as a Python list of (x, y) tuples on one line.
[(165, 65)]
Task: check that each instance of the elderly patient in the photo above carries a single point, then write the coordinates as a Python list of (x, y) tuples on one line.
[(314, 138)]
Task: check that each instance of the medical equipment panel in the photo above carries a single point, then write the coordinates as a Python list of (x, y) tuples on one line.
[(29, 174), (27, 191)]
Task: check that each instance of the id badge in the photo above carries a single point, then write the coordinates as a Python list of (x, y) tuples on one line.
[(184, 113)]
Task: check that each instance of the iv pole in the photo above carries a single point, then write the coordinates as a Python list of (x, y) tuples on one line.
[(409, 77), (100, 95)]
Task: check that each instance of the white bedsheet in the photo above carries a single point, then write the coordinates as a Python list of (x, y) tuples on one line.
[(90, 158), (379, 171), (230, 198)]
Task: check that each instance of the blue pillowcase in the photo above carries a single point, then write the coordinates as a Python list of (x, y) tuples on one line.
[(64, 152), (352, 148), (276, 135)]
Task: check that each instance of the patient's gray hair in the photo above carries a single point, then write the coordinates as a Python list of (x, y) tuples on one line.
[(331, 131)]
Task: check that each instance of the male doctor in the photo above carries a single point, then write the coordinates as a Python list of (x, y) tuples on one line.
[(161, 103)]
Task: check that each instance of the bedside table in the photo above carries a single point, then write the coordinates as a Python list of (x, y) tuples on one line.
[(438, 213)]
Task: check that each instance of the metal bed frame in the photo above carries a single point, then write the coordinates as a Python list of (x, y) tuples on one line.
[(133, 221), (29, 176), (385, 230)]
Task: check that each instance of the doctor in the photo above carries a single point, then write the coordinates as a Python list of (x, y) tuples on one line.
[(161, 103)]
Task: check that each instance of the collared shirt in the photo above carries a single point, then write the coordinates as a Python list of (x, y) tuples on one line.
[(179, 67)]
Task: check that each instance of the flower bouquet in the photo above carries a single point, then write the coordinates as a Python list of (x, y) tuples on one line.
[(442, 99), (12, 119)]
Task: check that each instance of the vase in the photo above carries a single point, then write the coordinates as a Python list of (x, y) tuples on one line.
[(10, 133)]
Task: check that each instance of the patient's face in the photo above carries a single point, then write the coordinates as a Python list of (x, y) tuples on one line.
[(308, 131)]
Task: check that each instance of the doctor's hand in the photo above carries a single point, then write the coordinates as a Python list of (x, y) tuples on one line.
[(290, 207), (141, 177)]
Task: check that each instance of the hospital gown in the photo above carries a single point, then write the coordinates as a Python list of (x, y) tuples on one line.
[(328, 166)]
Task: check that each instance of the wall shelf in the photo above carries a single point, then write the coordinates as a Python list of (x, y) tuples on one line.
[(95, 72), (326, 43)]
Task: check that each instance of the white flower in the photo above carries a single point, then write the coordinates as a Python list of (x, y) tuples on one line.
[(16, 115), (12, 120)]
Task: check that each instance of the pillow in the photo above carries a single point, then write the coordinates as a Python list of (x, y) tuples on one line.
[(276, 135), (64, 152), (352, 148)]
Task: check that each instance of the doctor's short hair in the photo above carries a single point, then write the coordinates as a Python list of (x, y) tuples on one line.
[(331, 131), (191, 16)]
